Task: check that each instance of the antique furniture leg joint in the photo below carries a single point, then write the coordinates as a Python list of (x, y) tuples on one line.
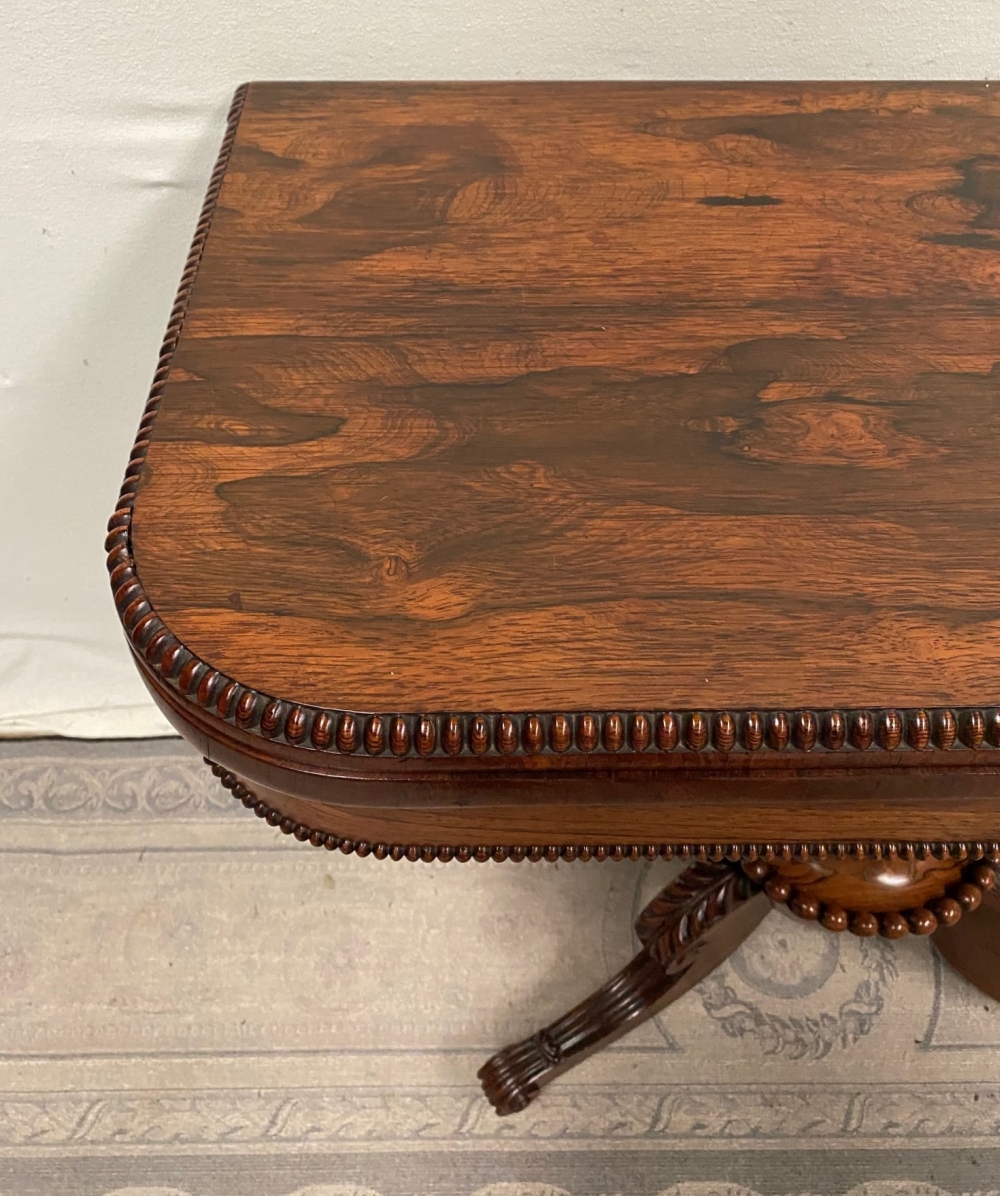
[(700, 918), (704, 915)]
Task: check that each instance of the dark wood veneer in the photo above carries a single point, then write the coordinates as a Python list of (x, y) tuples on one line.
[(595, 471), (556, 419)]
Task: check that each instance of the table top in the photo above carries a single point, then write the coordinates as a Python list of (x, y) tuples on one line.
[(613, 418)]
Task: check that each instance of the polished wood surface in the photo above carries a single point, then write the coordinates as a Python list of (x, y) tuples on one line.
[(812, 877), (588, 472), (707, 911), (483, 407), (877, 892), (698, 920), (539, 398), (973, 946)]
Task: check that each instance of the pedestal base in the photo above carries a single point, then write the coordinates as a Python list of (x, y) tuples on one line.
[(892, 889), (707, 911), (687, 931)]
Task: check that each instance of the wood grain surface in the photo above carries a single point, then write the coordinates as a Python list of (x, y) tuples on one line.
[(612, 397)]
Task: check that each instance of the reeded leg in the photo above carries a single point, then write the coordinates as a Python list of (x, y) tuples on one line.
[(687, 931)]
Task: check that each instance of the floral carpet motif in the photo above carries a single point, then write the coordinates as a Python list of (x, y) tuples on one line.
[(192, 1004)]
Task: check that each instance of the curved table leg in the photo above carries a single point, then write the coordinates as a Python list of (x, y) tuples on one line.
[(687, 931)]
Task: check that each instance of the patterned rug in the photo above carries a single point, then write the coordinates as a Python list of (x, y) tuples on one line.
[(192, 1003)]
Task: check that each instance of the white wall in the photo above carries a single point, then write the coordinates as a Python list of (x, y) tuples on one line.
[(110, 115)]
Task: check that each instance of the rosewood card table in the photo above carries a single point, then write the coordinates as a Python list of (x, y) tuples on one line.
[(596, 471)]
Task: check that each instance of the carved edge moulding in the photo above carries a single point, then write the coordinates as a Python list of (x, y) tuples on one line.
[(662, 737), (760, 863)]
